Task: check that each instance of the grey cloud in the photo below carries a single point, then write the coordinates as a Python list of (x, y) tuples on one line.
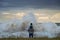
[(30, 3)]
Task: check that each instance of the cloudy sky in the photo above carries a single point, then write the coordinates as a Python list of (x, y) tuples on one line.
[(43, 9)]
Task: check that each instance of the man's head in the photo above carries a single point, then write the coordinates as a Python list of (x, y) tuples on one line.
[(30, 23), (31, 26)]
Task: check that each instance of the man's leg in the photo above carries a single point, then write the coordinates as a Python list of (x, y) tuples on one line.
[(32, 35), (29, 35)]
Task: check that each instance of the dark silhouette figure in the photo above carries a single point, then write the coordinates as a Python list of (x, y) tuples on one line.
[(31, 31)]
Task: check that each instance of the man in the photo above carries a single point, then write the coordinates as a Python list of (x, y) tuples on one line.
[(31, 31)]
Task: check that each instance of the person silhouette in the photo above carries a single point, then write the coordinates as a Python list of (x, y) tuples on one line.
[(31, 31)]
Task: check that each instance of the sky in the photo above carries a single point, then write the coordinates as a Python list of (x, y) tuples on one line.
[(43, 9)]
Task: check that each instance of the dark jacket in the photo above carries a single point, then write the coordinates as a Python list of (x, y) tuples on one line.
[(31, 30)]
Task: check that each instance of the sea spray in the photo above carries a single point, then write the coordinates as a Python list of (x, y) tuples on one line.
[(18, 28)]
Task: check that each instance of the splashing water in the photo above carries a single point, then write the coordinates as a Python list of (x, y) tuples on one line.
[(18, 28)]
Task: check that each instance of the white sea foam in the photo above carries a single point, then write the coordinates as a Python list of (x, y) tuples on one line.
[(18, 28)]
